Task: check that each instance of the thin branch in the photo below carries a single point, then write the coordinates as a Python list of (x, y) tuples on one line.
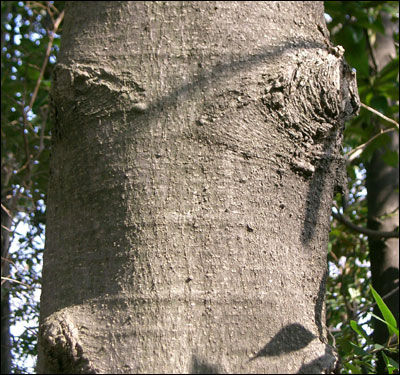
[(366, 308), (371, 50), (6, 229), (380, 115), (356, 152), (14, 281), (6, 210), (46, 59), (26, 143), (7, 260), (368, 232), (41, 143)]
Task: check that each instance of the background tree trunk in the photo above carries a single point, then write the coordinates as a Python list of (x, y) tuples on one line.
[(194, 162), (383, 206), (5, 331), (6, 225)]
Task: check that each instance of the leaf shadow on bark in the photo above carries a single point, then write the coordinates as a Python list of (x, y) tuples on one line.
[(319, 304), (220, 72), (284, 341), (213, 76), (316, 189), (324, 364), (294, 337), (290, 338)]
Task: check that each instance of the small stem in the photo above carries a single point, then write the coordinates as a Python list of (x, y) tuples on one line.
[(380, 115), (368, 232)]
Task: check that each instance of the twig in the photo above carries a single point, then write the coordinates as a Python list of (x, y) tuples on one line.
[(14, 281), (355, 153), (7, 260), (368, 232), (380, 115), (371, 50), (6, 210), (366, 308), (46, 59)]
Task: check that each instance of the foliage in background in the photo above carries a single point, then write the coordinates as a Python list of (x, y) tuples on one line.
[(28, 57), (362, 353), (354, 25), (28, 48)]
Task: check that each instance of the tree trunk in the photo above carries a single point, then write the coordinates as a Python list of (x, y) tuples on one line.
[(194, 162), (383, 207), (5, 332), (6, 224)]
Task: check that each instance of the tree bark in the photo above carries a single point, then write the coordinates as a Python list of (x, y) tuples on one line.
[(6, 224), (196, 152), (383, 206)]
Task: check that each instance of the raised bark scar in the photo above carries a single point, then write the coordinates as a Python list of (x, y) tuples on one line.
[(60, 341)]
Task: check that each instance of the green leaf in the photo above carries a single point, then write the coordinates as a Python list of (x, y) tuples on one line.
[(359, 330), (391, 158), (379, 103), (386, 313), (391, 364), (378, 142), (395, 330), (388, 73), (354, 369), (358, 350)]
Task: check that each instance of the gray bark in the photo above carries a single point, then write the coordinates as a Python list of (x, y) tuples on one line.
[(194, 162)]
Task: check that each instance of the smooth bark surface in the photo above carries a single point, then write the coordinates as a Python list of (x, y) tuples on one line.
[(195, 157)]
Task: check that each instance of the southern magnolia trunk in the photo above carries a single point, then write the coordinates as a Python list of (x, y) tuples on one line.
[(196, 152)]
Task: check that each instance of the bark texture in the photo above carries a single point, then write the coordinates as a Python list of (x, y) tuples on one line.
[(194, 162)]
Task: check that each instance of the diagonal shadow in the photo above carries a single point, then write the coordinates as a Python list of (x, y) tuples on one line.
[(319, 305), (316, 188), (321, 365), (236, 63), (233, 64), (159, 108), (290, 338)]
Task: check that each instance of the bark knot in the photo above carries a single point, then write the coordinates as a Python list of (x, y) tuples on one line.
[(62, 348), (317, 93), (96, 91)]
